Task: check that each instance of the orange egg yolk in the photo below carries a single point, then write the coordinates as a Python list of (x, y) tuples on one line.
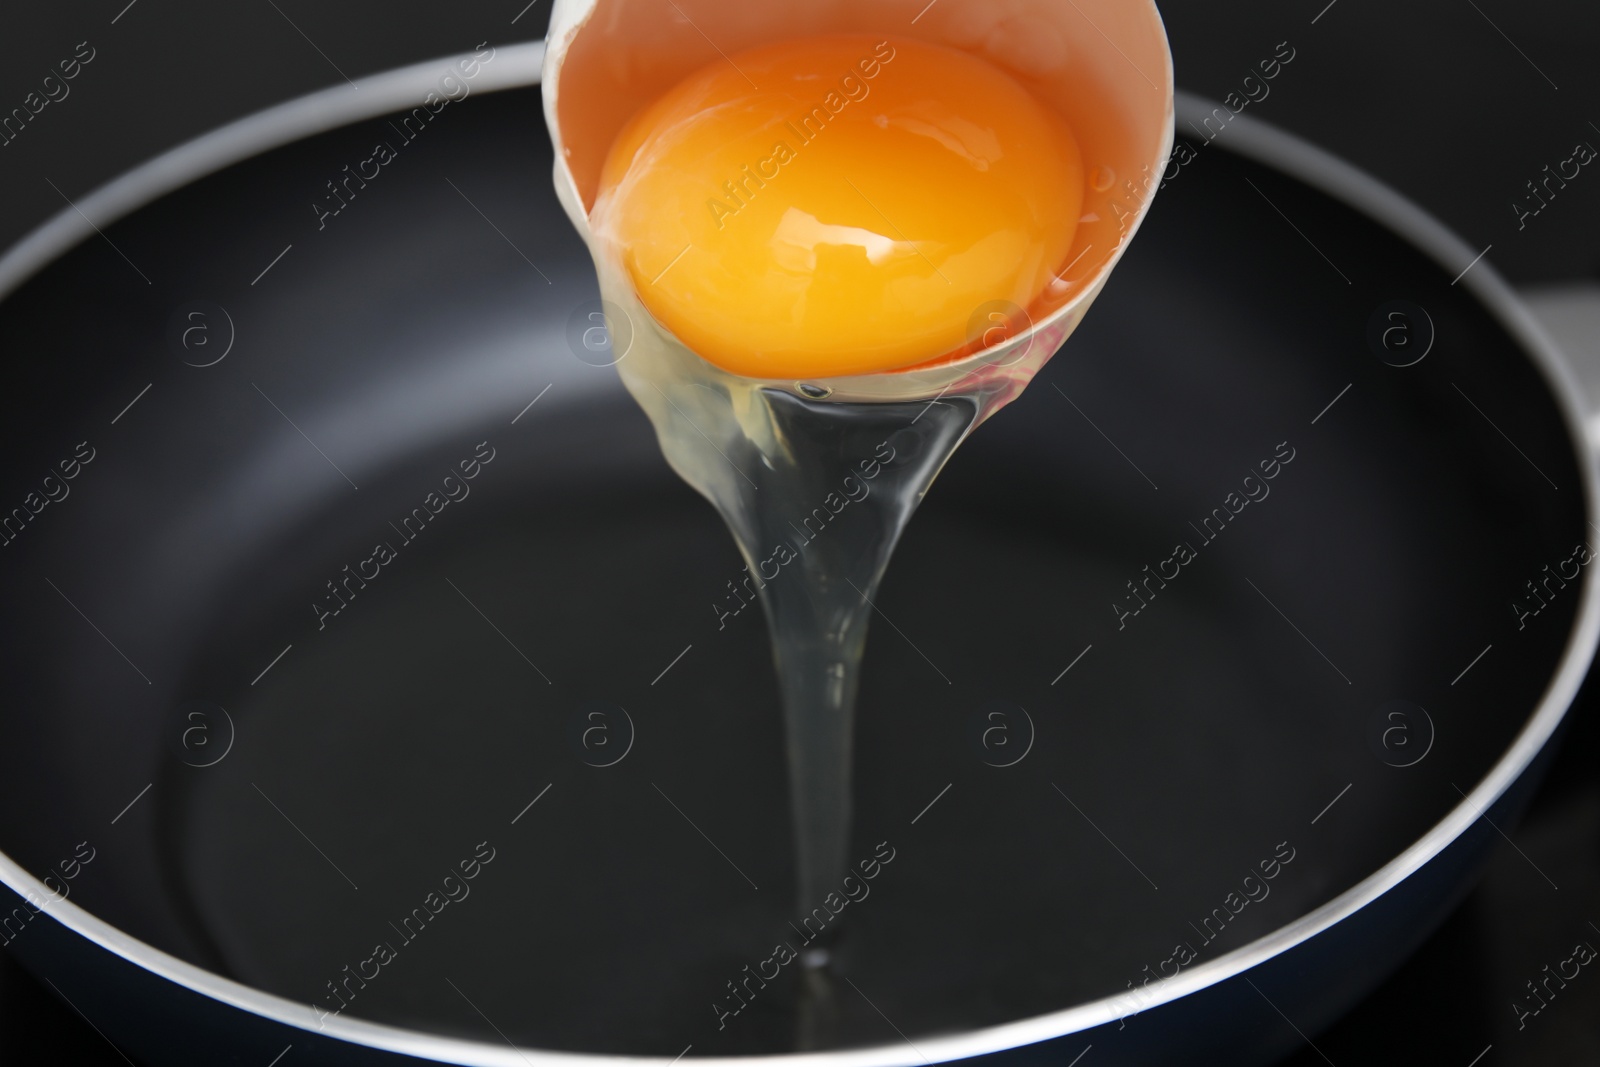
[(839, 205)]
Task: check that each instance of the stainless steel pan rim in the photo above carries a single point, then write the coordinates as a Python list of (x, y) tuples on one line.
[(518, 66)]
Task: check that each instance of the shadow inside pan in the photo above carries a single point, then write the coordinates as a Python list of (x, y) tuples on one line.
[(1203, 602)]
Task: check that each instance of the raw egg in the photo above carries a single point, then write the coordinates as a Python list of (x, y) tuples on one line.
[(809, 218), (839, 205)]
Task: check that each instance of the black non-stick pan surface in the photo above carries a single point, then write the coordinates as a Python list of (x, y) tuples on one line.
[(1245, 573)]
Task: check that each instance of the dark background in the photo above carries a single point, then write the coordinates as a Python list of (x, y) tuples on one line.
[(1429, 95), (1457, 103)]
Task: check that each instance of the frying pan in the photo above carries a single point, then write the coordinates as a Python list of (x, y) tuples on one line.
[(366, 706)]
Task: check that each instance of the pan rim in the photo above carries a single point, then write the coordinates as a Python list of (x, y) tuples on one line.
[(1246, 136)]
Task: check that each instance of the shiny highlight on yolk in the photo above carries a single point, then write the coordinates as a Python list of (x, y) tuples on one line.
[(839, 205)]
